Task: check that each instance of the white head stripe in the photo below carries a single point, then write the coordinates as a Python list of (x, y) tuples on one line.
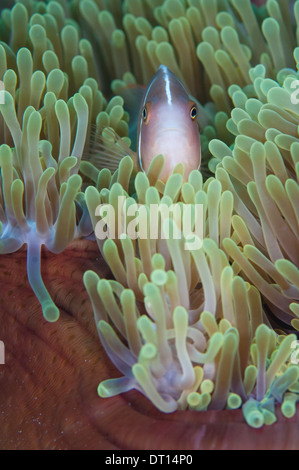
[(167, 88)]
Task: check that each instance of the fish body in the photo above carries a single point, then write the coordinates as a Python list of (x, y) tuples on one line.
[(168, 125)]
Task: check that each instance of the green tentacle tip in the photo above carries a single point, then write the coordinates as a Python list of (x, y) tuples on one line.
[(50, 312), (207, 386), (111, 387), (288, 406), (148, 352), (158, 262), (103, 390), (159, 277), (269, 417), (194, 400), (90, 278), (254, 417)]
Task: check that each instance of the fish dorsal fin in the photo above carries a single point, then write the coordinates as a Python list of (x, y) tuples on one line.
[(132, 95), (106, 149)]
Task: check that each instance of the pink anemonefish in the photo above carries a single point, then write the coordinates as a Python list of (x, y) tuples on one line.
[(167, 125)]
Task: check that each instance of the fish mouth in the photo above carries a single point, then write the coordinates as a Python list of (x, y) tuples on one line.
[(170, 129), (173, 133)]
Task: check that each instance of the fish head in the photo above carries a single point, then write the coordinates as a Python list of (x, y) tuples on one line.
[(168, 125)]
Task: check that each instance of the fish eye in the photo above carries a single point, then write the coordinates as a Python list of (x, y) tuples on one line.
[(144, 113), (193, 112)]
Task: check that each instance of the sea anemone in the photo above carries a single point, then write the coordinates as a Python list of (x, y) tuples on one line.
[(261, 171), (181, 325), (37, 194), (243, 209), (47, 117)]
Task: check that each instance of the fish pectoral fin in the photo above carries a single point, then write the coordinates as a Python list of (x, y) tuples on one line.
[(106, 149)]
